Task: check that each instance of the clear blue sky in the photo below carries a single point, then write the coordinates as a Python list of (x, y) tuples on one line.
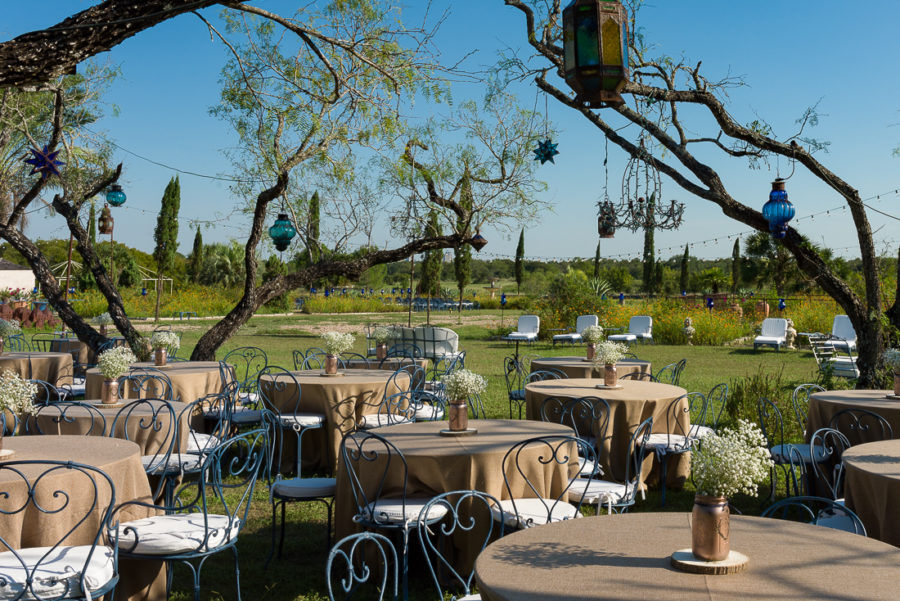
[(790, 55)]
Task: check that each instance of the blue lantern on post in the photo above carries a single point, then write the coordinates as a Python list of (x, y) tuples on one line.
[(144, 291), (115, 195), (503, 300), (709, 303), (595, 58), (781, 304), (282, 232), (778, 210)]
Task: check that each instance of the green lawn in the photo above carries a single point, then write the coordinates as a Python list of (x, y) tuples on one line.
[(300, 575)]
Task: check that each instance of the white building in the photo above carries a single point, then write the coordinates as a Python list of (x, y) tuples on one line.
[(14, 276)]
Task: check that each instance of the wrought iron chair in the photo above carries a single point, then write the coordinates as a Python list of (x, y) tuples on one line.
[(404, 349), (17, 343), (9, 423), (59, 418), (785, 456), (861, 425), (680, 436), (41, 341), (829, 472), (210, 513), (154, 423), (215, 411), (378, 476), (317, 361), (588, 417), (619, 496), (49, 393), (671, 374), (535, 509), (639, 376), (712, 411), (298, 357), (146, 382), (800, 402), (429, 407), (60, 570), (515, 374), (469, 513), (818, 511), (393, 409), (362, 361), (354, 555), (535, 376), (444, 367), (280, 393), (246, 362)]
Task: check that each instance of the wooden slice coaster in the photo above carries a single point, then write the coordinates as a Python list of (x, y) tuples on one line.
[(102, 405), (685, 561), (324, 375), (7, 454), (893, 397), (466, 432), (605, 387)]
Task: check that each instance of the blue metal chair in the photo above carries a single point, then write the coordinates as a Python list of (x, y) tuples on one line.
[(245, 364), (16, 343), (671, 374), (712, 411), (146, 382), (617, 497), (829, 473), (785, 456), (210, 513), (404, 349), (680, 436), (639, 376), (151, 423), (49, 393), (588, 417), (353, 556), (800, 402), (818, 511), (60, 418), (60, 570), (861, 425), (393, 409), (355, 360)]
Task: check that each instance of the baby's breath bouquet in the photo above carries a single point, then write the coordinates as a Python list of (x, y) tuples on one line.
[(336, 343), (609, 353), (463, 384), (115, 362), (167, 340), (892, 359), (16, 393), (732, 462), (9, 328), (104, 319), (382, 334), (592, 334)]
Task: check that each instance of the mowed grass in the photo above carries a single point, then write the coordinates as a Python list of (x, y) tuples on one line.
[(300, 575)]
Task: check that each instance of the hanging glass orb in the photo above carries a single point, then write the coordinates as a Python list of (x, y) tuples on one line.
[(478, 242), (595, 42), (778, 210), (105, 223), (115, 195), (282, 232)]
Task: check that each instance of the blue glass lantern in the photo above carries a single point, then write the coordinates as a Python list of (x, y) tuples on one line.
[(621, 298), (115, 195), (781, 304), (778, 210), (34, 290), (684, 293), (282, 232), (143, 291), (709, 303), (327, 292), (503, 299)]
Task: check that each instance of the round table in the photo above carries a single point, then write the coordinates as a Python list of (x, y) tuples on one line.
[(81, 353), (191, 380), (823, 405), (343, 400), (121, 460), (626, 556), (872, 487), (55, 368), (438, 464), (577, 367), (389, 364), (629, 406)]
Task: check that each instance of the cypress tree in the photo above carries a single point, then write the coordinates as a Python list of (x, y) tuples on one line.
[(684, 269), (195, 261), (736, 266), (597, 261), (166, 234), (92, 224), (649, 252), (520, 261), (430, 282), (312, 230)]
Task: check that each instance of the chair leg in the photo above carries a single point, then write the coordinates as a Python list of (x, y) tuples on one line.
[(405, 563), (281, 541), (237, 572), (663, 477)]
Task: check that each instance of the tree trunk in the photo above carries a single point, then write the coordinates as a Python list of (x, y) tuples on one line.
[(894, 312)]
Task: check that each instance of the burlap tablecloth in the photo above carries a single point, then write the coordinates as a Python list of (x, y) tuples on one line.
[(629, 406), (55, 368), (627, 557), (389, 364), (121, 461), (439, 464), (577, 367), (872, 487), (190, 379), (823, 405), (343, 400)]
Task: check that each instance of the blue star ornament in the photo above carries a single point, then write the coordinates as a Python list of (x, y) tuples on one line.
[(545, 151), (44, 162)]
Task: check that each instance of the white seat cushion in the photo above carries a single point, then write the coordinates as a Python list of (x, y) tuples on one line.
[(571, 337), (378, 420), (302, 420), (55, 573), (429, 413), (622, 338), (836, 520), (784, 453), (304, 488), (521, 336), (672, 441), (533, 512), (470, 598), (77, 389), (177, 463), (586, 468), (246, 416), (391, 510), (177, 533), (770, 340), (600, 492), (198, 442)]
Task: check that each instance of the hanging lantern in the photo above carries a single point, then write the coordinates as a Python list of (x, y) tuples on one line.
[(282, 232), (595, 40), (115, 195), (778, 210), (105, 222), (478, 242)]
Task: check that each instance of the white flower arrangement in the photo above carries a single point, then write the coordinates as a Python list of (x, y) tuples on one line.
[(609, 353), (167, 340), (732, 462), (115, 362), (382, 334), (9, 328), (592, 334), (16, 393), (336, 343), (892, 359), (104, 319), (463, 384)]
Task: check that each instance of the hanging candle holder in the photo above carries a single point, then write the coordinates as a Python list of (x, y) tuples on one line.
[(282, 232), (778, 210)]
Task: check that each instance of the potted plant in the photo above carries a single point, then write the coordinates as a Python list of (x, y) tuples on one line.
[(892, 362), (112, 365), (459, 386), (607, 354), (8, 328), (335, 343), (592, 335), (725, 464), (162, 344), (103, 320), (381, 335), (16, 396)]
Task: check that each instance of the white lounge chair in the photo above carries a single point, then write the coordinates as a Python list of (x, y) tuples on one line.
[(640, 327), (832, 359), (527, 331), (843, 336), (772, 333), (581, 324)]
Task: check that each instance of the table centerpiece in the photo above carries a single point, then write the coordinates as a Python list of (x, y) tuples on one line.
[(607, 354), (892, 361), (113, 364), (16, 397), (335, 343), (459, 387), (381, 335), (162, 344), (102, 321), (592, 335), (8, 327)]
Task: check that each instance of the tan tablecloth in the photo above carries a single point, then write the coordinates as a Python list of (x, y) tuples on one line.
[(120, 460), (440, 464), (190, 379), (823, 405), (343, 400), (872, 487), (577, 367), (627, 557), (390, 364), (55, 368), (629, 406)]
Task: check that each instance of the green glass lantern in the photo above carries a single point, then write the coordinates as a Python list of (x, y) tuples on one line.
[(282, 232), (595, 40)]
